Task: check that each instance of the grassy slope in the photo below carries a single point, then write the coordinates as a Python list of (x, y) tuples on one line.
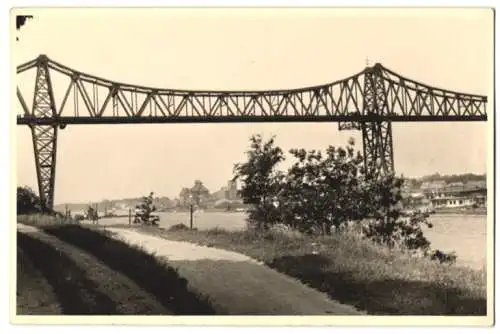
[(147, 271), (357, 272), (35, 296), (161, 282), (77, 294), (93, 279)]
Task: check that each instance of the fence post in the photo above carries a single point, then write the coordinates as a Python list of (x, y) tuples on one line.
[(130, 216), (191, 216)]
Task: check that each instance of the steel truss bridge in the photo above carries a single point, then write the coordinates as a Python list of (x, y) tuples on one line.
[(369, 101)]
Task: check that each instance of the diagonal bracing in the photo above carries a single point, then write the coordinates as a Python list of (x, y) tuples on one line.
[(44, 136)]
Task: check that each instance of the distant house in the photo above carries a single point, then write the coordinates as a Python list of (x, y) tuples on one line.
[(430, 189), (476, 185), (452, 202), (457, 194), (432, 186)]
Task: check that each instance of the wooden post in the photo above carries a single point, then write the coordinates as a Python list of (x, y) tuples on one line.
[(191, 216), (129, 216)]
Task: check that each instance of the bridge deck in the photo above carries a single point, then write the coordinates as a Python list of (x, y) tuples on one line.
[(244, 119)]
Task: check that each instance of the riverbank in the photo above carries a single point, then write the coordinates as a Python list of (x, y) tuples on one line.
[(353, 271), (349, 270), (124, 271), (461, 211)]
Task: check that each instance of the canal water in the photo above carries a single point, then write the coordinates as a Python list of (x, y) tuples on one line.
[(464, 234)]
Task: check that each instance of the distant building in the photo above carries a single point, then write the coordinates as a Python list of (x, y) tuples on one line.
[(232, 191), (227, 193), (220, 194), (432, 187), (457, 194)]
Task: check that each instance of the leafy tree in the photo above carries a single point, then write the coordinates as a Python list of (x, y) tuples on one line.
[(27, 201), (184, 197), (199, 192), (260, 180)]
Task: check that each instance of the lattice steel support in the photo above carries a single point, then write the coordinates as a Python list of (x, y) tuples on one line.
[(377, 136), (44, 136)]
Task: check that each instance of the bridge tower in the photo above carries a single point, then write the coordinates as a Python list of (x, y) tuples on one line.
[(44, 136), (377, 135)]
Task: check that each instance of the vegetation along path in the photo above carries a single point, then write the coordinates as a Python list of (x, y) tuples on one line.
[(234, 283)]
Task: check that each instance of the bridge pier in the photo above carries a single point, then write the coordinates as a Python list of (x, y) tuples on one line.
[(377, 148)]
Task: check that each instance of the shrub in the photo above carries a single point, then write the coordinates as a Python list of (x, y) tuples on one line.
[(322, 192), (79, 217), (27, 201), (178, 227), (442, 257)]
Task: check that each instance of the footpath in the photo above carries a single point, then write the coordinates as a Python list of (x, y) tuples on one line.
[(235, 283)]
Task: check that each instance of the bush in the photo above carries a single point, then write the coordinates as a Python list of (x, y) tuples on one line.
[(442, 257), (27, 201), (178, 227), (322, 192), (78, 217)]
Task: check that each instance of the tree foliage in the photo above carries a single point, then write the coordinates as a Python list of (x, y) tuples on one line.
[(324, 191), (27, 201), (198, 192), (463, 178), (146, 207), (260, 180)]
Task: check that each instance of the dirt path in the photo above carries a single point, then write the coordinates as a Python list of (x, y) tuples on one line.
[(82, 283), (235, 283)]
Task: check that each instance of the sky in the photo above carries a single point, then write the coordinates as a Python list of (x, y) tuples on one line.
[(247, 49)]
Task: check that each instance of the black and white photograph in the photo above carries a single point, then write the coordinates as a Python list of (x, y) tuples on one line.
[(333, 162)]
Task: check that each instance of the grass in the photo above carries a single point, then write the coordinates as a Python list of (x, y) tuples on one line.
[(34, 294), (76, 294), (356, 272), (39, 219), (150, 273), (125, 296)]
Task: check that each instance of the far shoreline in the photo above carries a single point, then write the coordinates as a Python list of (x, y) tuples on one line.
[(439, 213)]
